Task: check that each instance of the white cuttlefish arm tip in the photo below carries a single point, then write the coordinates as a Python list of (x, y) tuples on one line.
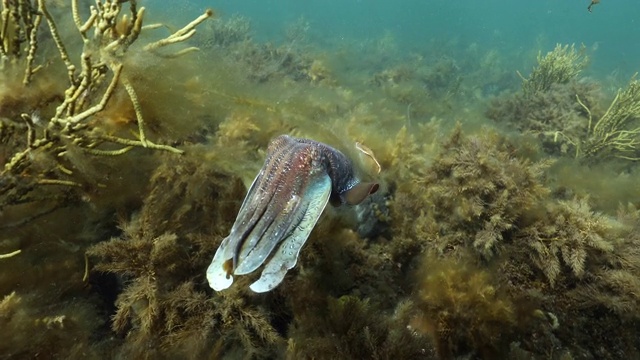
[(217, 275), (218, 279)]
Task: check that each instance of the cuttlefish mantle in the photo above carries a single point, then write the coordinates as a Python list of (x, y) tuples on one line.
[(286, 199)]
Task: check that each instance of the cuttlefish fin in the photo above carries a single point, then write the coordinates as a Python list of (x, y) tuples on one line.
[(358, 193), (314, 200)]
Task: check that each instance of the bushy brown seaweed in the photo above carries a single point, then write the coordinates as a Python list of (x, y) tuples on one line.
[(350, 328), (471, 196), (564, 237), (565, 111), (463, 309), (491, 229), (160, 255), (553, 116)]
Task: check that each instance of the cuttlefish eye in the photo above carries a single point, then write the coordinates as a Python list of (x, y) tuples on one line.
[(282, 206)]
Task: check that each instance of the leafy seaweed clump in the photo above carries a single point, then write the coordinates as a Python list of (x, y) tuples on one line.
[(603, 302), (473, 194), (559, 66), (463, 309), (351, 328), (164, 308), (65, 330), (616, 279), (554, 116), (563, 111), (506, 256), (564, 238)]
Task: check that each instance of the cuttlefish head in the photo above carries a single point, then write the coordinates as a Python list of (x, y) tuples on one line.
[(283, 204)]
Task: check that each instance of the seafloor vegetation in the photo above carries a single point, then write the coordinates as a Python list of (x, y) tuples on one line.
[(126, 148)]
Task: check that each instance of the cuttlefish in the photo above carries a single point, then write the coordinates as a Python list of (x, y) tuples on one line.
[(299, 177)]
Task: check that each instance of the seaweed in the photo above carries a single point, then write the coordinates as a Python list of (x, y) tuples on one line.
[(504, 256), (614, 279), (349, 327), (55, 135), (553, 116), (164, 307), (563, 111), (227, 32), (568, 234), (477, 190), (31, 331), (559, 66), (463, 309), (617, 132)]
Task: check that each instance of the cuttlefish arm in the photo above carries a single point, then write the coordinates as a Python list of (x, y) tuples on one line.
[(281, 208), (286, 255)]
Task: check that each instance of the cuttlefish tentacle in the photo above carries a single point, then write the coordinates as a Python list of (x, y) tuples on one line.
[(281, 208)]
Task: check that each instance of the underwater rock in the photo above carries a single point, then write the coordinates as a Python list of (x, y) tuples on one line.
[(281, 208)]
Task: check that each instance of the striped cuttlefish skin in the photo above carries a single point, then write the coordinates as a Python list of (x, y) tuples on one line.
[(286, 199)]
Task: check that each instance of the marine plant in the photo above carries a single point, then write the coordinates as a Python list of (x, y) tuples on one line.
[(563, 111), (559, 66), (163, 309), (613, 278), (227, 32), (477, 254), (463, 308), (546, 105), (554, 116), (32, 331), (563, 239), (522, 272), (592, 288), (617, 131), (67, 128), (477, 190), (349, 327)]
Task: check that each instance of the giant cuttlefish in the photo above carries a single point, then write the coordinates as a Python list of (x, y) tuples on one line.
[(298, 178)]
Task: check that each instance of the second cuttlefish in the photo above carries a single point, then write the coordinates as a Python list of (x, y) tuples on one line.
[(298, 178)]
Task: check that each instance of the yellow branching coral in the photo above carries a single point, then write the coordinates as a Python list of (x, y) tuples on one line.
[(50, 147), (11, 254)]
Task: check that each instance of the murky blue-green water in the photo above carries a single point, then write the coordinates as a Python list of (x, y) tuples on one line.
[(612, 28)]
